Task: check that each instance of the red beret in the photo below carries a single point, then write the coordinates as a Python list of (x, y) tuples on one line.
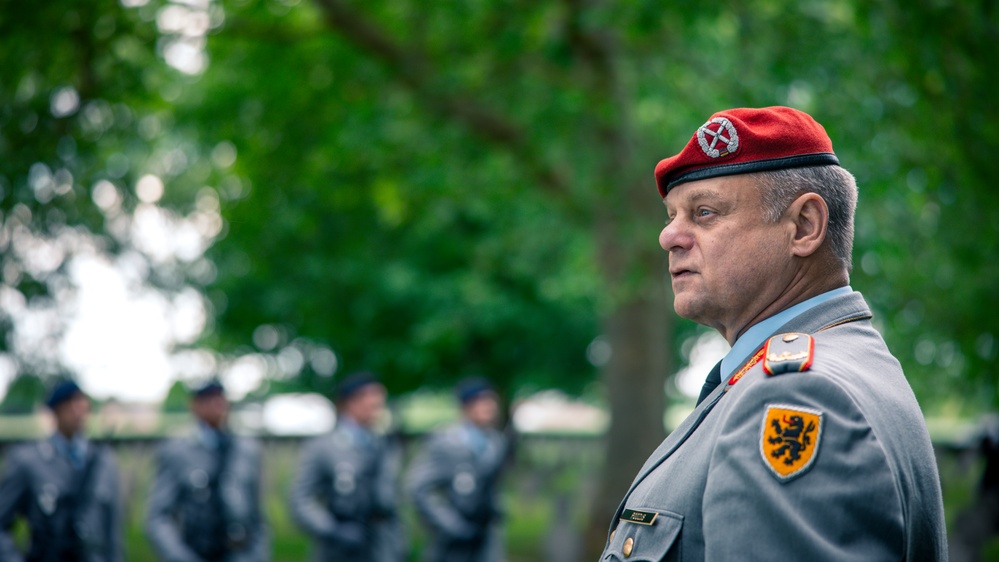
[(746, 140)]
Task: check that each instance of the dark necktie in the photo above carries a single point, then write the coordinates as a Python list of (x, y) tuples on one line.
[(710, 383), (223, 443)]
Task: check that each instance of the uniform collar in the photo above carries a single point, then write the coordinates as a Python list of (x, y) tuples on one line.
[(208, 436), (758, 333), (75, 449), (361, 435), (476, 437), (472, 429)]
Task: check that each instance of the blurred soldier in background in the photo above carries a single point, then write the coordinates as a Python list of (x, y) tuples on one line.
[(453, 480), (205, 500), (344, 493), (979, 523), (67, 489)]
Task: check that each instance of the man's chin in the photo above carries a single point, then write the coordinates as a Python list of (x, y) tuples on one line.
[(687, 309), (682, 307)]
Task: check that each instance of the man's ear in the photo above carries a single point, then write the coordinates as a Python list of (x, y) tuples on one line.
[(810, 217)]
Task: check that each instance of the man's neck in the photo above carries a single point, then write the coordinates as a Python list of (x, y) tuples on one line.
[(469, 422), (757, 334), (350, 420), (802, 288), (69, 435), (220, 427)]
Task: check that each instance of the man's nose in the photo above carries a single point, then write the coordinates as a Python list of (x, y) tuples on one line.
[(674, 236)]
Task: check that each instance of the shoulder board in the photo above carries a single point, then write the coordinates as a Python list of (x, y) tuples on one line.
[(786, 353)]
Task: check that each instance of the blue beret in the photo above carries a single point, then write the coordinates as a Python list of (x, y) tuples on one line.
[(210, 388), (353, 383), (61, 393), (471, 388)]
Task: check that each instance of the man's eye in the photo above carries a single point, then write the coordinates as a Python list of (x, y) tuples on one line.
[(702, 212)]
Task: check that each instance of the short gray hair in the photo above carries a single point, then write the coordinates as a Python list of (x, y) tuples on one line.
[(836, 186)]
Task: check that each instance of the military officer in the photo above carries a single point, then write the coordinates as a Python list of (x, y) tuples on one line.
[(66, 487), (344, 493), (807, 442), (205, 500), (453, 481)]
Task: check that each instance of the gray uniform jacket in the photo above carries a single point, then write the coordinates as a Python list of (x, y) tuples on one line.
[(453, 482), (833, 463), (349, 478), (196, 513), (38, 483)]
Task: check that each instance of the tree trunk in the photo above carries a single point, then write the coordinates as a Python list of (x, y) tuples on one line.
[(639, 333)]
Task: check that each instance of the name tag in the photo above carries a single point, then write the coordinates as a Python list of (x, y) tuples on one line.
[(640, 517)]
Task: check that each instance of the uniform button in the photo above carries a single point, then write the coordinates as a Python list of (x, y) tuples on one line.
[(629, 544)]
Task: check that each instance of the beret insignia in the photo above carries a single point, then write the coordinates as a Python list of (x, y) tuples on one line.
[(788, 353), (718, 131), (789, 440)]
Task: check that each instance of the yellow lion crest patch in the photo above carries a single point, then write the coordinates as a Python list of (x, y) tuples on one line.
[(789, 441)]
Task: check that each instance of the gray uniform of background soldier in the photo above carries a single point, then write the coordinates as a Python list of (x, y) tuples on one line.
[(453, 481), (345, 490), (204, 504), (814, 454), (66, 487)]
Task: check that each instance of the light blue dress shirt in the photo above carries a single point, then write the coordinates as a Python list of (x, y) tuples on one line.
[(74, 449), (754, 337)]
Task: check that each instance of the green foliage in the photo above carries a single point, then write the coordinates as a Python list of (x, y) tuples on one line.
[(926, 244), (24, 393), (83, 116), (177, 399), (434, 190), (383, 225), (79, 102), (380, 230)]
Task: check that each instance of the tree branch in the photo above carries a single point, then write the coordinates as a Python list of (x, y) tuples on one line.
[(595, 49), (415, 72)]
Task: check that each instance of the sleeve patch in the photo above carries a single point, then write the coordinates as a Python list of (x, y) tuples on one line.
[(789, 440)]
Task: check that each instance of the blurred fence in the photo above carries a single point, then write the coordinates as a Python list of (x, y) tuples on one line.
[(547, 493)]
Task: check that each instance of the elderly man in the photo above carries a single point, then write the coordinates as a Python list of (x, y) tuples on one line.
[(807, 442), (344, 493), (205, 504), (454, 480), (67, 489)]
